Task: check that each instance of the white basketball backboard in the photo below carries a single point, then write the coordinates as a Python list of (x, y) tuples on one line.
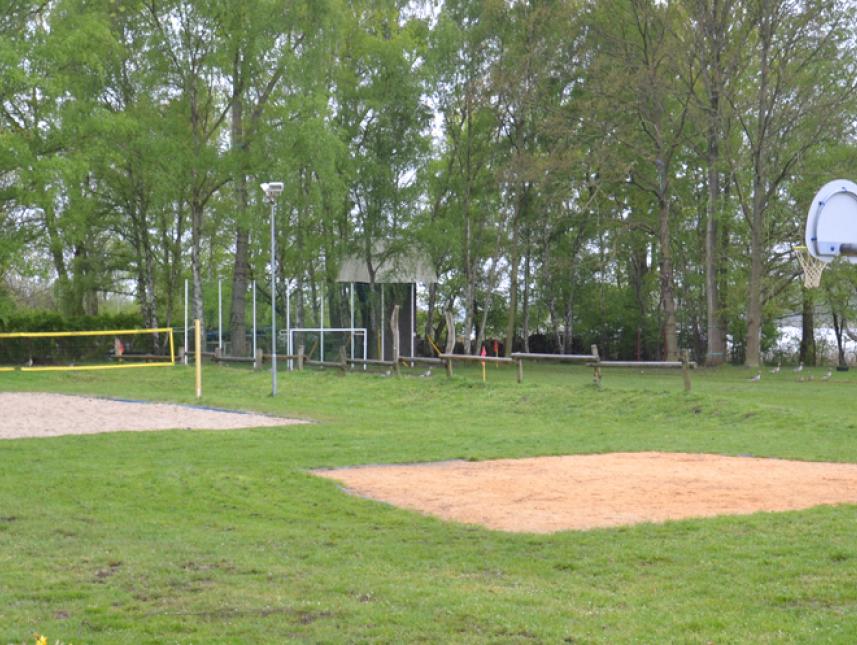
[(831, 224)]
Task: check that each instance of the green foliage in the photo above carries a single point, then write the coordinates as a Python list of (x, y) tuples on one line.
[(52, 321), (558, 149)]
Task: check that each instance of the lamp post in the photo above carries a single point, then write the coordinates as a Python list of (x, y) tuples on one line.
[(272, 191)]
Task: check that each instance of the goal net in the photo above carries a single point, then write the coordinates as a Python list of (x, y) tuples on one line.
[(325, 344), (86, 350)]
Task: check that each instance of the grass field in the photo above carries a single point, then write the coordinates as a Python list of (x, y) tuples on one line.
[(223, 536)]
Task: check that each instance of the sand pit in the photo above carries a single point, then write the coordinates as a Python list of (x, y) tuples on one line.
[(579, 492), (30, 414)]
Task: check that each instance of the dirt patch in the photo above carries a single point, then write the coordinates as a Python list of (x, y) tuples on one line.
[(579, 492), (30, 414)]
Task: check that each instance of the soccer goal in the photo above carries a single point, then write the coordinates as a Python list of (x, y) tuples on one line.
[(319, 342), (55, 351)]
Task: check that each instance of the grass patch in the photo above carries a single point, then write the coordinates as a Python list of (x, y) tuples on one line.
[(224, 536)]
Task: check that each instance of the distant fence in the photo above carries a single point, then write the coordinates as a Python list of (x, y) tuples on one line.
[(448, 358)]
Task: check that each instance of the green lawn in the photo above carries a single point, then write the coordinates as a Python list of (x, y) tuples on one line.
[(205, 537)]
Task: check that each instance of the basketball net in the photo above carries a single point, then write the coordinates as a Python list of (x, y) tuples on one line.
[(812, 267)]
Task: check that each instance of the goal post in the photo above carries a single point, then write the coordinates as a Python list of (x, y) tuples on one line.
[(55, 351)]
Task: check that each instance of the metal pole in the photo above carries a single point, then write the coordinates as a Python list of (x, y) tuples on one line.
[(351, 292), (321, 324), (383, 324), (220, 314), (413, 318), (365, 347), (186, 348), (273, 302), (289, 321), (198, 357), (254, 320)]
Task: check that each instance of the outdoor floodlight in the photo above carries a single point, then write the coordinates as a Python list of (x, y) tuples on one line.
[(272, 189)]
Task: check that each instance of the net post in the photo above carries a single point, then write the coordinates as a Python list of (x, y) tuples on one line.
[(172, 347)]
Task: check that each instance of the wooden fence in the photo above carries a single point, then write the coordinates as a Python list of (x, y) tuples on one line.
[(448, 358)]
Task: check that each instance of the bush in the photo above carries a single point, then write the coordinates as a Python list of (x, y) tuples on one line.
[(52, 321), (47, 351)]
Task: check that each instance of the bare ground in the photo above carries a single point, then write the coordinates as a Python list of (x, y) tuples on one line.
[(31, 414), (579, 492)]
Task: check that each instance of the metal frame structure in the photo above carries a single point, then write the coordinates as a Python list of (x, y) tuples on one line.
[(324, 330)]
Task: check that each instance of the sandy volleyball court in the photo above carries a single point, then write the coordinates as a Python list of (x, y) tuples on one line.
[(31, 414), (548, 494)]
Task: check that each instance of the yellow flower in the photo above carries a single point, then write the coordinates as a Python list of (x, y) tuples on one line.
[(41, 640)]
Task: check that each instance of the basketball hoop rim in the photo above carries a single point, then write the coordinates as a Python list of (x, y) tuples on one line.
[(811, 266)]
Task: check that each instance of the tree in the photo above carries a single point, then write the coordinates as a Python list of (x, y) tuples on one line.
[(792, 99)]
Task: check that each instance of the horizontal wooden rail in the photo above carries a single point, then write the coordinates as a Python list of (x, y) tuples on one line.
[(469, 358), (139, 357), (642, 364), (421, 360), (234, 359), (335, 364), (560, 358), (369, 361)]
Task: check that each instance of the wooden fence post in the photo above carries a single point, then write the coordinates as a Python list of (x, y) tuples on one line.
[(258, 359), (596, 376), (300, 358), (343, 361), (520, 367), (394, 329), (685, 369), (450, 340)]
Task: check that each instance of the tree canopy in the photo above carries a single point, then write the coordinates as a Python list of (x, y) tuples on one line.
[(628, 172)]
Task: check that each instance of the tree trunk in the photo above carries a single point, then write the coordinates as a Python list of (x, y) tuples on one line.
[(753, 355), (429, 328), (807, 337), (723, 272), (666, 283), (757, 212), (838, 325), (196, 213), (715, 352), (470, 286), (513, 293), (241, 265), (149, 261), (525, 313), (568, 337)]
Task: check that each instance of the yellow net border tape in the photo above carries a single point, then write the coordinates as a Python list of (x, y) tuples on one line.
[(102, 332)]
